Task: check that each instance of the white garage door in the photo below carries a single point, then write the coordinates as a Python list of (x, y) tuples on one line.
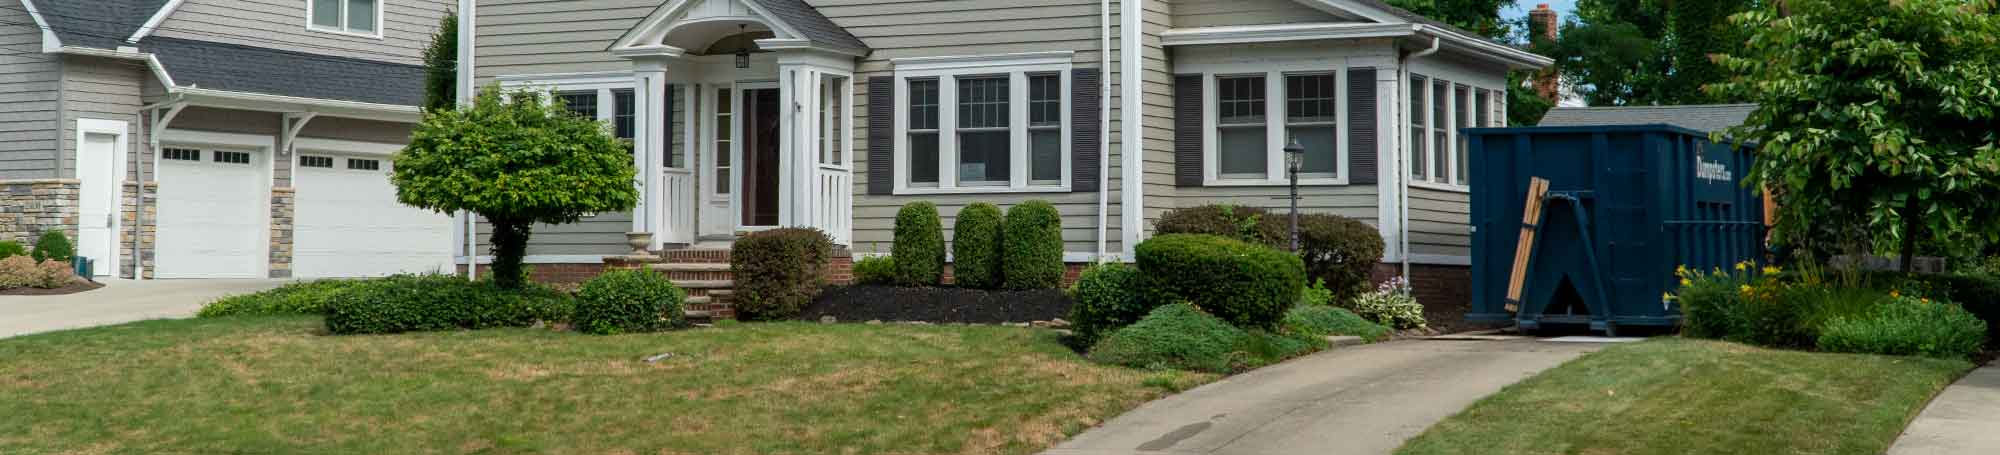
[(348, 224), (213, 217)]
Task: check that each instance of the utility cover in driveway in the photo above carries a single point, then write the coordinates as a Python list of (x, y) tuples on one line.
[(347, 222)]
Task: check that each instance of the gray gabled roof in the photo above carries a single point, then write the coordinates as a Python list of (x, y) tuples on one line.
[(1700, 117), (809, 22), (101, 24), (238, 68)]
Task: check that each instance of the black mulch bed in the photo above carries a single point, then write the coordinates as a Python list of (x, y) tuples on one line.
[(937, 304)]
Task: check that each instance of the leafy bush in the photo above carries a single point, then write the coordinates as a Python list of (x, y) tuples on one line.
[(919, 247), (1338, 250), (1908, 326), (1107, 298), (975, 246), (1390, 304), (628, 301), (1323, 321), (1977, 292), (10, 248), (1175, 336), (1764, 310), (879, 270), (1034, 246), (1316, 295), (1236, 222), (779, 271), (53, 245), (1248, 285), (305, 297), (417, 303), (24, 272)]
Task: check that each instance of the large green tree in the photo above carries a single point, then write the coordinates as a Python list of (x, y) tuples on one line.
[(1648, 52), (515, 160), (1874, 118), (441, 65)]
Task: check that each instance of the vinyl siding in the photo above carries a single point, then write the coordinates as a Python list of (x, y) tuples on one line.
[(1214, 13), (1158, 100), (542, 37), (29, 82), (349, 129), (1440, 222), (407, 26), (97, 88)]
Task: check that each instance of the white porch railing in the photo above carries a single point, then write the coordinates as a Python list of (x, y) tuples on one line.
[(833, 207), (677, 205)]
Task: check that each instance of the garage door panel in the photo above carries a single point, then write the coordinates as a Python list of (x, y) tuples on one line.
[(347, 223), (213, 217)]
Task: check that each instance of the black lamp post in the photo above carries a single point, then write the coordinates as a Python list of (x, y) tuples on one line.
[(1295, 155)]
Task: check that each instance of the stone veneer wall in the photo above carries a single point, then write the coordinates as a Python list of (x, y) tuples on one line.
[(30, 207), (130, 215), (282, 200)]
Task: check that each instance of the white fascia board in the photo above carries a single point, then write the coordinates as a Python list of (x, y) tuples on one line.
[(1281, 32), (281, 103), (50, 42), (154, 22), (982, 61), (1512, 57)]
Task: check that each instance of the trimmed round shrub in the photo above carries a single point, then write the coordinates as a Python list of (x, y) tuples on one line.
[(1232, 221), (875, 270), (1176, 336), (10, 248), (1338, 250), (419, 303), (1248, 285), (628, 301), (1107, 298), (54, 246), (919, 247), (307, 297), (975, 246), (24, 272), (1908, 326), (1034, 246), (778, 272)]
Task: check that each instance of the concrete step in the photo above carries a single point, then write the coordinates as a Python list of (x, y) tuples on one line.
[(699, 314), (692, 267), (705, 284)]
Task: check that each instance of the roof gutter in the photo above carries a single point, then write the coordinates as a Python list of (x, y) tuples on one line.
[(1516, 58)]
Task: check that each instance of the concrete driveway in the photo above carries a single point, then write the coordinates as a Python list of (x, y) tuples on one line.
[(1357, 400), (119, 301)]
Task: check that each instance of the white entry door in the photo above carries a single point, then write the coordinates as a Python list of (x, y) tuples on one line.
[(98, 157), (347, 222), (214, 214)]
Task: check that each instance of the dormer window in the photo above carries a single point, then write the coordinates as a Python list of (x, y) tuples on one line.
[(361, 17)]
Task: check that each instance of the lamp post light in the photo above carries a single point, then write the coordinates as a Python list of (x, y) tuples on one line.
[(1295, 155)]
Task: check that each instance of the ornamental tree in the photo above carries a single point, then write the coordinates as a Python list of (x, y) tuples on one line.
[(515, 160), (1875, 120)]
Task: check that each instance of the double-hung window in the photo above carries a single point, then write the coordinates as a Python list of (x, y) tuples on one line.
[(362, 17), (1252, 117), (1439, 111), (1311, 119), (1241, 127), (983, 124)]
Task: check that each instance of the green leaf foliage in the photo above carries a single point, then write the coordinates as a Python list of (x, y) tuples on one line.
[(975, 246), (919, 247), (1908, 326), (306, 297), (778, 272), (1874, 119), (515, 160), (875, 270), (1176, 336), (628, 301), (441, 65), (422, 303), (1248, 285), (1108, 296), (54, 246), (10, 248), (1323, 321), (1034, 249), (1646, 52)]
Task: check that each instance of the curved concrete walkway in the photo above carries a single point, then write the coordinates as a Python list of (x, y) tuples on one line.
[(1964, 420), (119, 301), (1358, 400)]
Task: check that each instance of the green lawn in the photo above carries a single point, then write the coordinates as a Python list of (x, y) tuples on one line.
[(1681, 396), (279, 385)]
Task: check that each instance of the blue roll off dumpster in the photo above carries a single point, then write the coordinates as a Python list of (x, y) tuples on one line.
[(1620, 207)]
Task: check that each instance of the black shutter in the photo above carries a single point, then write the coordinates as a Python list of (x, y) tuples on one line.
[(1362, 148), (1188, 134), (1086, 133), (881, 135)]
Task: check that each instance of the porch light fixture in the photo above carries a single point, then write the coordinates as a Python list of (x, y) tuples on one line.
[(742, 48), (1295, 154)]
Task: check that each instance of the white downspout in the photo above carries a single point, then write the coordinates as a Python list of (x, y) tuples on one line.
[(1403, 158), (1103, 135), (467, 21)]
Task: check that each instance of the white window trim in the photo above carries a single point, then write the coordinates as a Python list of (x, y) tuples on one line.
[(604, 87), (1431, 127), (1274, 125), (947, 70), (344, 29)]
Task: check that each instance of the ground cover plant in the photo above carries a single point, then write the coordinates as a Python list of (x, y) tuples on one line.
[(304, 297), (1686, 396), (278, 385)]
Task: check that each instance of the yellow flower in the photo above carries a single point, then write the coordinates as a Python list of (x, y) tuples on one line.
[(1687, 282), (1741, 266), (1682, 270), (1745, 289), (1927, 300), (1895, 293), (1771, 270), (1666, 297)]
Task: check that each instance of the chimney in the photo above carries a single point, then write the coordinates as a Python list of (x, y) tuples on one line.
[(1542, 27)]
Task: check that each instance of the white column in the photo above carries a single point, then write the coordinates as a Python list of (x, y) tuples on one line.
[(649, 143)]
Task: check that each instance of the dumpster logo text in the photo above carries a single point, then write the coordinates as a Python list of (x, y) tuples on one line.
[(1711, 170)]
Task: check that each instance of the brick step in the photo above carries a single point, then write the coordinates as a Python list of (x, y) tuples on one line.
[(696, 255)]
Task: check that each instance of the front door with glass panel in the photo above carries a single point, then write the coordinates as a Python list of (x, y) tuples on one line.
[(757, 170)]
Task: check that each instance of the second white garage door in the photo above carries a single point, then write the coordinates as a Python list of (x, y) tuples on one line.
[(347, 222)]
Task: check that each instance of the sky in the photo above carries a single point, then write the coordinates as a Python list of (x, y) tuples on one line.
[(1564, 8)]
